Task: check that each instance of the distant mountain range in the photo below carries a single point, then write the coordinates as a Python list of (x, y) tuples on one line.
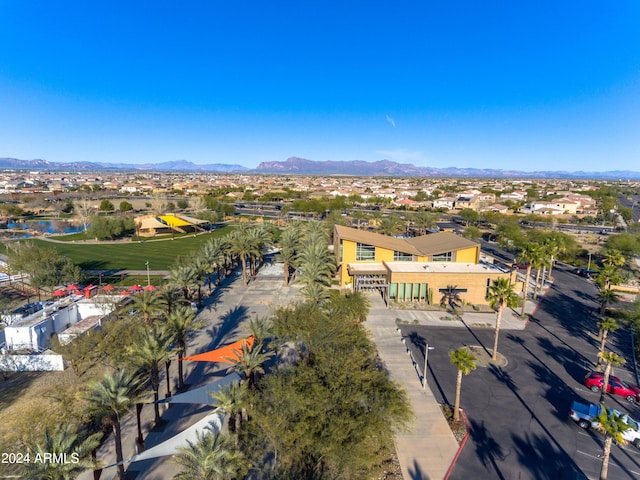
[(302, 166)]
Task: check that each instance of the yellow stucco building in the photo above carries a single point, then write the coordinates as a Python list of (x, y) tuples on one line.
[(418, 269)]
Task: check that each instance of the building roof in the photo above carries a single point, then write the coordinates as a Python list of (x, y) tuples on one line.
[(424, 245)]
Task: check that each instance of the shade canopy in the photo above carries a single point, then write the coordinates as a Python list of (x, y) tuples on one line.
[(59, 293), (202, 395), (227, 354), (212, 422), (135, 288), (73, 287), (108, 288), (150, 288)]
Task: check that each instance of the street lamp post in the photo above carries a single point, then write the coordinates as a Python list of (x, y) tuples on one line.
[(589, 263), (424, 372), (148, 277)]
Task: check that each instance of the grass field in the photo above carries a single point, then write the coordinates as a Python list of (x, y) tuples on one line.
[(132, 255)]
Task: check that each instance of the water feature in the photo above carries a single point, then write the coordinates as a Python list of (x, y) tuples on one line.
[(47, 226)]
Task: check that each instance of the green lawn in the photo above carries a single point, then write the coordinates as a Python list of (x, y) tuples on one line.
[(132, 255)]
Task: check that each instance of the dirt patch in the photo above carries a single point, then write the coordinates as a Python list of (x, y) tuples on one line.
[(458, 427), (483, 357)]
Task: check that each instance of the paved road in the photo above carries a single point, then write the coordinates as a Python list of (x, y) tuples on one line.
[(518, 413)]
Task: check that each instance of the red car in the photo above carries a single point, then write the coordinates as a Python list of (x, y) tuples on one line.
[(595, 380)]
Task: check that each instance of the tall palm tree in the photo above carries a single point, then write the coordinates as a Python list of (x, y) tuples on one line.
[(613, 426), (289, 244), (169, 299), (242, 246), (111, 398), (529, 255), (606, 325), (262, 238), (424, 220), (605, 297), (250, 362), (211, 457), (607, 276), (501, 295), (390, 225), (465, 362), (315, 293), (184, 277), (353, 306), (555, 244), (65, 440), (611, 360), (613, 258), (213, 257), (148, 303), (149, 352), (180, 325), (231, 399), (259, 328)]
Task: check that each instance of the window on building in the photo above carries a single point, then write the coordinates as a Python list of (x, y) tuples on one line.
[(443, 257), (402, 257), (365, 253)]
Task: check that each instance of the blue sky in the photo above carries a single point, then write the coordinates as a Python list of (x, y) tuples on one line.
[(540, 85)]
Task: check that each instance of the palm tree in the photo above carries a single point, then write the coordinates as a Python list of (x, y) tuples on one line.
[(184, 277), (315, 293), (606, 325), (289, 242), (501, 295), (111, 398), (555, 244), (169, 298), (611, 360), (68, 441), (353, 306), (211, 457), (607, 276), (529, 255), (149, 352), (214, 258), (148, 303), (231, 399), (180, 325), (250, 362), (243, 247), (612, 424), (260, 329), (465, 362), (261, 238), (613, 258), (424, 220), (451, 297), (605, 297), (390, 225)]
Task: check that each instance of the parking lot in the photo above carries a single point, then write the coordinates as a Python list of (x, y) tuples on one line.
[(518, 412)]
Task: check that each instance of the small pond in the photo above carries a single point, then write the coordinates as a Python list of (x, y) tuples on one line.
[(46, 226)]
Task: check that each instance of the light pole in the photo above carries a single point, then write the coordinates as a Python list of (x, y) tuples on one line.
[(148, 278), (589, 263), (424, 372)]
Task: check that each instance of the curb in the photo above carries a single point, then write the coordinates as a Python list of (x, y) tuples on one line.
[(460, 447)]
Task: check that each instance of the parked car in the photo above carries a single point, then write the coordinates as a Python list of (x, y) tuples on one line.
[(583, 272), (521, 266), (595, 381), (586, 417)]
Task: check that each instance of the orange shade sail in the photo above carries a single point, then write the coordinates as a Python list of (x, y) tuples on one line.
[(227, 354)]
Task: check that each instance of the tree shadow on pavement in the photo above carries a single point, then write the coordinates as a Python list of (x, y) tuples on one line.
[(416, 473), (537, 456), (487, 449)]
